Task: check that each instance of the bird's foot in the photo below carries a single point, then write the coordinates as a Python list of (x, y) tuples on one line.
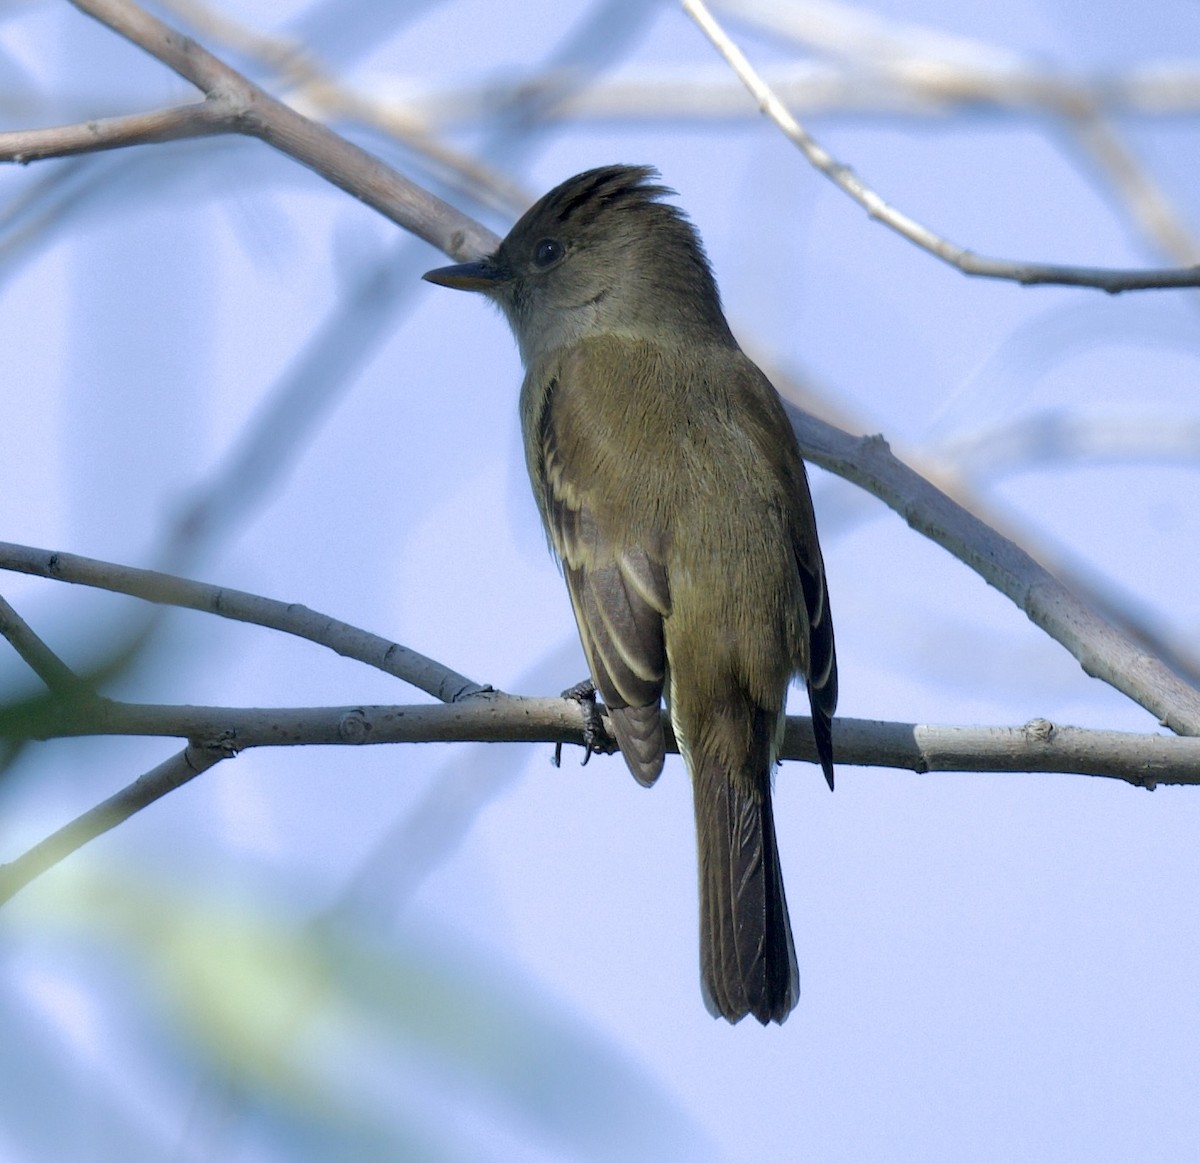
[(595, 736)]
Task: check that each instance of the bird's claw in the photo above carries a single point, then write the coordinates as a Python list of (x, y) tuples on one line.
[(595, 737)]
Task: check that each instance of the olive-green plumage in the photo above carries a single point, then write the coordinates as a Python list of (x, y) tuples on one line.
[(672, 490)]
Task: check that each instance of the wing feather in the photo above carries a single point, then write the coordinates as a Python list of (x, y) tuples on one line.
[(620, 595)]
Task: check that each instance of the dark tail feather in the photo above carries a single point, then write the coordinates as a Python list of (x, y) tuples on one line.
[(747, 959)]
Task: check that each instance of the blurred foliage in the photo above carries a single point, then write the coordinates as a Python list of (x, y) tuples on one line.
[(297, 1041)]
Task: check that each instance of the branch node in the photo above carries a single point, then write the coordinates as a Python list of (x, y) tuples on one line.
[(472, 690), (199, 752), (1039, 730), (353, 726)]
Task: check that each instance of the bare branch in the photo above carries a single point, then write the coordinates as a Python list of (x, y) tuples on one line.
[(237, 105), (1103, 648), (494, 717), (59, 678), (1059, 438), (290, 618), (1039, 746), (927, 69), (1111, 280), (197, 120), (316, 92), (155, 784)]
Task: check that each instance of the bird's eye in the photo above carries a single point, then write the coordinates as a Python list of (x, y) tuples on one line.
[(547, 252)]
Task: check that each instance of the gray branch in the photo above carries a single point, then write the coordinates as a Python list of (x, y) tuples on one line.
[(220, 732), (1103, 648), (981, 266), (494, 717), (155, 784), (290, 618), (234, 104)]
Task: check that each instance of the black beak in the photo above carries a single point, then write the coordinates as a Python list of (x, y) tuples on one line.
[(467, 276)]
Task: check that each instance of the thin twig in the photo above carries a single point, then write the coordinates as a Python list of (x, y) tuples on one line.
[(155, 784), (932, 65), (1107, 279), (199, 119), (291, 618), (59, 678)]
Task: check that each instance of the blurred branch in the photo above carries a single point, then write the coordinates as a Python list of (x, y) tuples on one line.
[(153, 785), (650, 95), (1146, 201), (364, 314), (290, 618), (920, 68), (1059, 438), (1110, 280), (234, 104), (1062, 440)]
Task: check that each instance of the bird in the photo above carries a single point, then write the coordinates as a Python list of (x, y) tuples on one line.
[(672, 491)]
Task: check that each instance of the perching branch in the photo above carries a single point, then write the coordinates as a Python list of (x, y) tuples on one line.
[(492, 716), (1106, 279), (495, 717), (214, 733), (219, 732), (1102, 647)]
